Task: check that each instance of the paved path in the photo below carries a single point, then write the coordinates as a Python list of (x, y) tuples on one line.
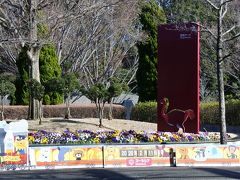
[(232, 130), (128, 173)]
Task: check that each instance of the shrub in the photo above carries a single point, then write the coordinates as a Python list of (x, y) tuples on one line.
[(145, 111), (47, 100), (50, 69), (208, 112), (233, 112)]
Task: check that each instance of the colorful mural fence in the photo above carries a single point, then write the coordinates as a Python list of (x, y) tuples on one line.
[(54, 157), (13, 145), (136, 155), (16, 154), (110, 156), (208, 155)]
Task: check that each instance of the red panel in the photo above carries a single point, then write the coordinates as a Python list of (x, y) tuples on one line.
[(178, 77)]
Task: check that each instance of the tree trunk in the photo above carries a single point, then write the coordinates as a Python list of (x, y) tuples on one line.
[(220, 79), (100, 108), (40, 112), (33, 54), (2, 109), (68, 113), (222, 112), (101, 115), (110, 110)]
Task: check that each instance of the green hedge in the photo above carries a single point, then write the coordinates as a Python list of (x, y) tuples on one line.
[(209, 113), (147, 112)]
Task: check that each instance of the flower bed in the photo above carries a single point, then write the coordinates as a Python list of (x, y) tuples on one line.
[(98, 137)]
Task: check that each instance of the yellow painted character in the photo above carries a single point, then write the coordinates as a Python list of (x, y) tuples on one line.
[(21, 144)]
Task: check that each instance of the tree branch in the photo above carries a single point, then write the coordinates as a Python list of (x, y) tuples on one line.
[(232, 38), (225, 11), (212, 4), (226, 2), (229, 30)]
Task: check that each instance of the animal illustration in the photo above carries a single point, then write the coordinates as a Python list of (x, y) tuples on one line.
[(175, 118), (184, 153), (200, 154), (78, 154), (111, 153), (21, 144), (46, 155), (81, 154), (163, 150)]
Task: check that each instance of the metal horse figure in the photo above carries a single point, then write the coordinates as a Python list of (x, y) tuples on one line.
[(175, 117)]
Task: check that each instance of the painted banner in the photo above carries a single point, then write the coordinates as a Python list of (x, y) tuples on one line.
[(178, 78), (136, 155), (208, 155), (53, 157), (14, 145)]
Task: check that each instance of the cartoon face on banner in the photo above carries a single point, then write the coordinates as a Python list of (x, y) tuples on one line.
[(82, 154), (21, 144), (232, 152), (46, 154), (66, 155), (210, 154)]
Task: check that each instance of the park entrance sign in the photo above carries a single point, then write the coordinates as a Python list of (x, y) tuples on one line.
[(178, 77)]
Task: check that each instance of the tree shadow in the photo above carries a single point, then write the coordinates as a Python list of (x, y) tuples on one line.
[(216, 128), (67, 174), (79, 122), (222, 172)]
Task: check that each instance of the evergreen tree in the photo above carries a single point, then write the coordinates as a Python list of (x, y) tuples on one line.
[(67, 85), (151, 16), (7, 88), (21, 83), (49, 69)]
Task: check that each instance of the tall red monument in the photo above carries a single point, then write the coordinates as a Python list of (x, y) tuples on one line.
[(178, 77)]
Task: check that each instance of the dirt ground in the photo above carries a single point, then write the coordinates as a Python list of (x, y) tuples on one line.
[(59, 125), (92, 124)]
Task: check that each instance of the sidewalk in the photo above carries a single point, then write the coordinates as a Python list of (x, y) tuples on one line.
[(233, 131)]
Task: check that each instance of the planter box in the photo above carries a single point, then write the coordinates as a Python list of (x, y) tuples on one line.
[(16, 154)]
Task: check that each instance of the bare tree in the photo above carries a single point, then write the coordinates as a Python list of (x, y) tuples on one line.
[(220, 29), (22, 23), (94, 45), (105, 38), (227, 31)]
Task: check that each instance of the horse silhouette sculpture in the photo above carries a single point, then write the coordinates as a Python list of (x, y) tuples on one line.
[(175, 117)]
